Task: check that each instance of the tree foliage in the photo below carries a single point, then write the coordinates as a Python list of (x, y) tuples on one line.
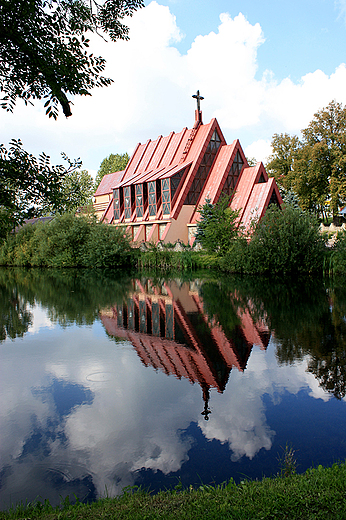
[(44, 52), (77, 191), (217, 227), (29, 186), (286, 241), (314, 167), (68, 241), (113, 163), (280, 163)]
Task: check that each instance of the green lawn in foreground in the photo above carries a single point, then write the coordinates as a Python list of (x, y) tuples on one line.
[(318, 493)]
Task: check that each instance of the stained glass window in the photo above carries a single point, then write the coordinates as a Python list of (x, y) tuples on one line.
[(175, 181), (152, 198), (274, 200), (116, 203), (204, 169), (139, 200), (166, 196), (233, 175), (127, 201)]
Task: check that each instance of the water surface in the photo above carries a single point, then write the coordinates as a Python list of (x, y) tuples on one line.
[(109, 381)]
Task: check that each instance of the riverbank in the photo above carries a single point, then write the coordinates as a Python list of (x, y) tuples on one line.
[(320, 493)]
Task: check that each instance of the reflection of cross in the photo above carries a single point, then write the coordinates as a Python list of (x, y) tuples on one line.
[(199, 98), (206, 412)]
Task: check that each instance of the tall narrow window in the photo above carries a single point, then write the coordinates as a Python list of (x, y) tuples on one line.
[(233, 175), (139, 200), (204, 169), (127, 201), (175, 181), (166, 196), (274, 200), (152, 198), (116, 202)]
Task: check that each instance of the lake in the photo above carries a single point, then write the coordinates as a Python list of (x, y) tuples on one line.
[(110, 380)]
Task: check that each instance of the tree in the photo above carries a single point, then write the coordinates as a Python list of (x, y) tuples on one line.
[(29, 186), (44, 55), (218, 226), (44, 48), (281, 163), (77, 190), (315, 167), (325, 145), (112, 163)]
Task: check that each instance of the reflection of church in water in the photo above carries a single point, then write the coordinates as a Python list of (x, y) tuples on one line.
[(171, 332)]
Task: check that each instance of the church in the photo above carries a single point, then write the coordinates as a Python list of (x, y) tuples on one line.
[(156, 198)]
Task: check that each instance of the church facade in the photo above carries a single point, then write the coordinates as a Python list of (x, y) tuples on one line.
[(158, 194)]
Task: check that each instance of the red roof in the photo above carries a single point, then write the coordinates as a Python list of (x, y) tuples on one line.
[(108, 182), (168, 155)]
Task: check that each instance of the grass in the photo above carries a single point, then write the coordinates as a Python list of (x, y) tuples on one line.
[(320, 493)]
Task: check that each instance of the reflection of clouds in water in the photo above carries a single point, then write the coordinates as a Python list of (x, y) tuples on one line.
[(40, 319), (135, 416), (121, 431), (238, 416)]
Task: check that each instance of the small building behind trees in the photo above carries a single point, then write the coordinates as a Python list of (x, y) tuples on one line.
[(165, 181)]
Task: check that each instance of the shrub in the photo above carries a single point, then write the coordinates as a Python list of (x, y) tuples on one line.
[(337, 260), (286, 240), (68, 241), (217, 227), (107, 246)]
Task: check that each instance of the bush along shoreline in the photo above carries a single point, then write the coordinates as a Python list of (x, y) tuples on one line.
[(68, 241), (286, 241), (319, 493)]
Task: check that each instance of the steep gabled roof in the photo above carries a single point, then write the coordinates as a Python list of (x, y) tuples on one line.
[(155, 155), (218, 174), (253, 192), (108, 182)]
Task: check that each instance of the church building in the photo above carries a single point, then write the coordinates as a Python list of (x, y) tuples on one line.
[(165, 181)]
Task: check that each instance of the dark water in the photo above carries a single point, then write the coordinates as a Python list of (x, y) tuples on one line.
[(108, 381)]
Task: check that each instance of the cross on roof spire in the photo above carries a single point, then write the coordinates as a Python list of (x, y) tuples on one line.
[(199, 98)]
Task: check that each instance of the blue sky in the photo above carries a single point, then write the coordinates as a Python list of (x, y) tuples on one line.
[(300, 36), (263, 68)]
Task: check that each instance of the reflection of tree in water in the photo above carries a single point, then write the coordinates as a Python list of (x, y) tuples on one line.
[(306, 320), (303, 316), (69, 295), (326, 344), (15, 319)]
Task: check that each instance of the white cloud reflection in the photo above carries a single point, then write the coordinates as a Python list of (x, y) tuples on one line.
[(135, 416)]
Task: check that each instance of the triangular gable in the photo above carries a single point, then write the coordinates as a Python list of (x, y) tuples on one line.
[(218, 174), (244, 187), (258, 201), (198, 148)]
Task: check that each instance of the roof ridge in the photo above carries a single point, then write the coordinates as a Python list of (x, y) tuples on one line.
[(190, 141)]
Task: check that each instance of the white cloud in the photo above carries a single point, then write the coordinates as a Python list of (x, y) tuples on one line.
[(153, 84), (341, 7), (260, 150)]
